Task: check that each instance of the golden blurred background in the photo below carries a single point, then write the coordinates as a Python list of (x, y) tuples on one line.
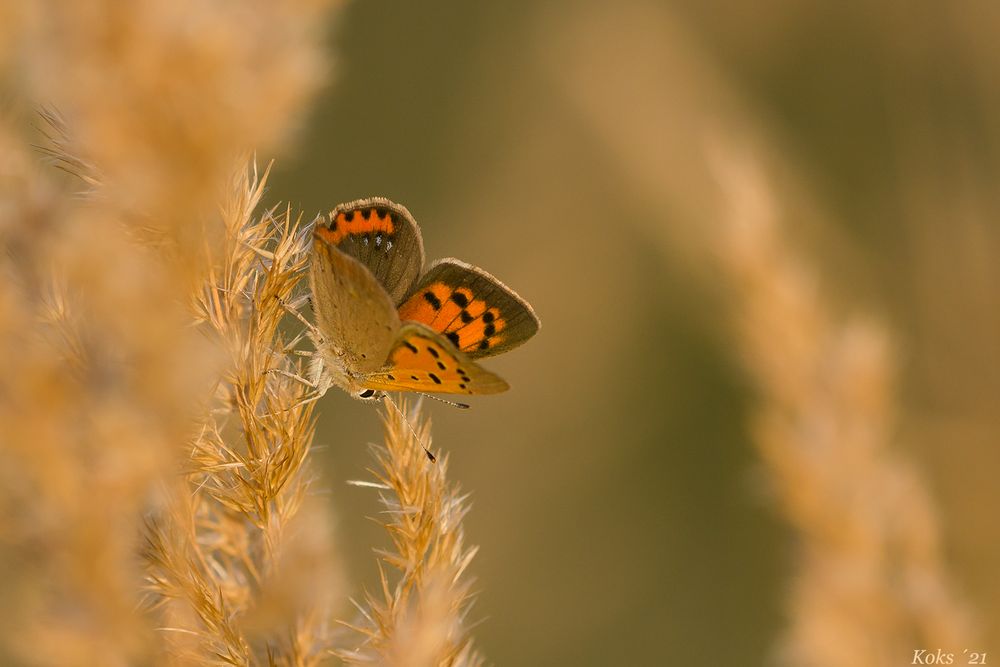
[(623, 515), (758, 425)]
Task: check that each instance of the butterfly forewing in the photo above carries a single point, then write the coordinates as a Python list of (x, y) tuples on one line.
[(353, 312), (423, 360), (476, 312), (383, 236)]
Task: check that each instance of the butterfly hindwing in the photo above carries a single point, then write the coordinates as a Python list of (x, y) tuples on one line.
[(383, 236), (342, 288), (480, 315), (423, 360)]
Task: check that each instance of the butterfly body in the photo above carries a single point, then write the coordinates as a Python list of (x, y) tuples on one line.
[(382, 325)]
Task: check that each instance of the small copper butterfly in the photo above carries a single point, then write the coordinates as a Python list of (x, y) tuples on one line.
[(383, 325)]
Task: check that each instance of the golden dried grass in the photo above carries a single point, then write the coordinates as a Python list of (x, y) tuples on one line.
[(235, 569), (418, 617), (105, 376), (102, 373), (870, 582), (150, 456), (165, 96)]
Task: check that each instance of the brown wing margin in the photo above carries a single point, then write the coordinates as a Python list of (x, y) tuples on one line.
[(380, 234)]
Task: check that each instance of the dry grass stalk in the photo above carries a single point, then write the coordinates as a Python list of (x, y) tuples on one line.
[(228, 562), (165, 95), (100, 374), (103, 374), (419, 620), (871, 584)]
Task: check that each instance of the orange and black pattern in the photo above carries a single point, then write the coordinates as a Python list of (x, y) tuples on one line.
[(421, 360), (479, 315), (371, 300)]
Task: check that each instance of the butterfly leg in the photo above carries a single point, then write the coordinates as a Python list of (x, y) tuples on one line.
[(293, 376), (313, 329), (318, 388)]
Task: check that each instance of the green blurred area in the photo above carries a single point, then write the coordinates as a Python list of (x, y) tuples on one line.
[(621, 512)]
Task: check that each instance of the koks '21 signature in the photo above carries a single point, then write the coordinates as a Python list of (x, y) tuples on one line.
[(923, 656)]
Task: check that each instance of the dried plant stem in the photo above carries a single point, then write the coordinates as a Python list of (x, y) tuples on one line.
[(419, 619), (229, 538), (101, 375), (104, 375), (871, 585)]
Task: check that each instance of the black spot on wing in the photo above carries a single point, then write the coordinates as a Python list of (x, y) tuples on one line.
[(436, 379), (432, 299), (453, 337)]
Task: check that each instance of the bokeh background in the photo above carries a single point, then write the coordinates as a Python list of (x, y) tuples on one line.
[(622, 512)]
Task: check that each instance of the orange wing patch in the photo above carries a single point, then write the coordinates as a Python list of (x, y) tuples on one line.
[(465, 320), (421, 360), (373, 219), (424, 305)]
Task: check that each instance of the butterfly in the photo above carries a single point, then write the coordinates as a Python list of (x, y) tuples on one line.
[(383, 324)]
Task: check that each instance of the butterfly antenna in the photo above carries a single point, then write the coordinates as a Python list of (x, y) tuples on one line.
[(433, 459), (454, 404)]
